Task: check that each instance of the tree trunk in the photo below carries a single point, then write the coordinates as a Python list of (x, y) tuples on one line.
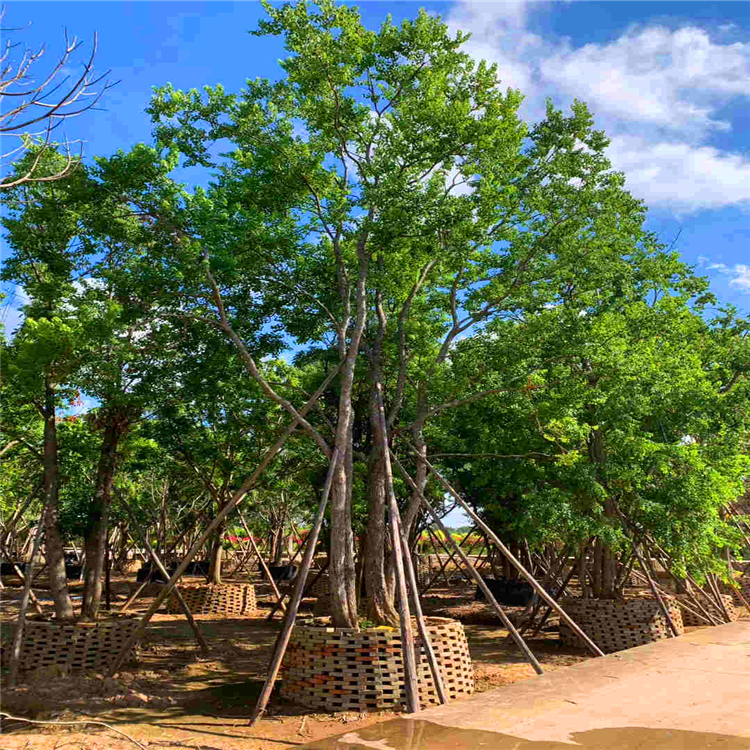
[(381, 607), (217, 551), (278, 546), (605, 563), (95, 537), (343, 572), (53, 539)]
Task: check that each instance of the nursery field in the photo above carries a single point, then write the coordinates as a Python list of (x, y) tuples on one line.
[(172, 697)]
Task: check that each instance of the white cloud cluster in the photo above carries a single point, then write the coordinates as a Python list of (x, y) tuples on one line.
[(659, 93), (740, 274)]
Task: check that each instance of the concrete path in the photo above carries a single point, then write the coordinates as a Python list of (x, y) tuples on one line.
[(685, 693)]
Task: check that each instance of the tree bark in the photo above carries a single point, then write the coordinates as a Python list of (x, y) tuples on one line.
[(217, 551), (95, 537), (53, 539), (343, 571), (380, 597)]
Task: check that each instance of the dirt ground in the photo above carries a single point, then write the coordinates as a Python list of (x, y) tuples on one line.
[(171, 697)]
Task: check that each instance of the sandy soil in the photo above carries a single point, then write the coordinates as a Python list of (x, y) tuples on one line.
[(173, 698)]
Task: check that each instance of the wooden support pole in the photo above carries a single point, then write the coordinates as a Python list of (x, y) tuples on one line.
[(407, 636), (477, 564), (134, 596), (429, 650), (666, 561), (262, 562), (451, 558), (545, 616), (652, 586), (472, 572), (715, 589), (511, 558), (705, 595), (247, 485), (15, 654), (291, 615), (307, 590), (180, 600), (22, 576), (552, 577)]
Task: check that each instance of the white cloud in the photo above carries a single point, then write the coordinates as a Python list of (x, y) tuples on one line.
[(674, 80), (742, 277), (657, 93), (680, 175), (740, 274)]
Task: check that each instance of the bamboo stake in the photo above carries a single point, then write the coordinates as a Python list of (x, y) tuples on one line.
[(412, 581), (511, 558), (134, 596), (407, 636), (472, 572), (247, 485), (715, 588), (652, 586), (181, 601), (291, 615), (263, 565), (15, 654), (307, 590), (22, 576)]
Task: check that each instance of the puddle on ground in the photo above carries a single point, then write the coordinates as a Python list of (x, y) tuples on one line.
[(413, 734)]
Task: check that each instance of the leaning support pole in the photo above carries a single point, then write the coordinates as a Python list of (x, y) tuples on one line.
[(511, 558), (429, 650), (247, 485), (654, 590), (667, 562), (22, 576), (407, 636), (15, 654), (299, 586), (472, 572), (715, 589), (551, 578), (310, 586), (183, 604), (263, 565), (134, 595)]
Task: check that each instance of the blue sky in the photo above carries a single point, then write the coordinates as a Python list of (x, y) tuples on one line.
[(668, 81)]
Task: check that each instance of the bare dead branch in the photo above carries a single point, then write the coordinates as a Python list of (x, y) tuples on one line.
[(26, 103)]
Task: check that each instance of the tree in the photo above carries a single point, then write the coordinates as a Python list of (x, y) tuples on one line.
[(640, 429), (383, 199), (73, 246)]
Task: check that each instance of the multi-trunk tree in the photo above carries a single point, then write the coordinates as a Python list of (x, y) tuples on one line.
[(406, 206)]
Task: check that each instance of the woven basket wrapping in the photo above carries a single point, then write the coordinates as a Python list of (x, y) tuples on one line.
[(618, 625), (338, 669), (688, 618), (90, 647), (215, 598)]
